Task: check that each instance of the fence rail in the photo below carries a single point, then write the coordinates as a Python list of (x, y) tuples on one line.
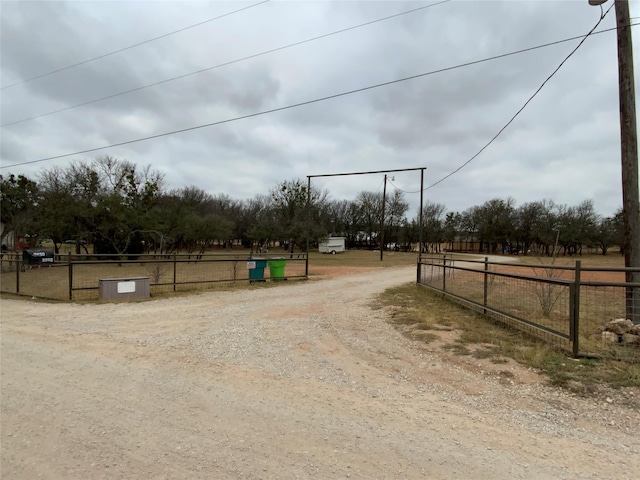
[(566, 306), (77, 277)]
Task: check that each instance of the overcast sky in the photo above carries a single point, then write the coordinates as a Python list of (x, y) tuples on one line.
[(564, 146)]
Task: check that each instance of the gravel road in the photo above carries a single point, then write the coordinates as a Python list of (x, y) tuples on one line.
[(305, 380)]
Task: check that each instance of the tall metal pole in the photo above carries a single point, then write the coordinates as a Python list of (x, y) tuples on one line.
[(420, 213), (384, 203), (422, 169), (629, 158), (306, 265)]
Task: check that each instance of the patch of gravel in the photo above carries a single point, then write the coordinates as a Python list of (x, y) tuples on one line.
[(314, 359)]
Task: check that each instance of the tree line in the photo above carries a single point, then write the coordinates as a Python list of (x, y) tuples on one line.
[(120, 208)]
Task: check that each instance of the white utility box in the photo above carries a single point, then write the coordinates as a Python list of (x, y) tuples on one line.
[(121, 289)]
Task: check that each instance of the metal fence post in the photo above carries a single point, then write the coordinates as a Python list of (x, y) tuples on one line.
[(572, 318), (444, 274), (575, 335), (18, 268), (70, 276), (419, 271), (175, 264), (486, 284)]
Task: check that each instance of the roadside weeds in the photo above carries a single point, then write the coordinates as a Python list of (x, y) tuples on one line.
[(450, 329)]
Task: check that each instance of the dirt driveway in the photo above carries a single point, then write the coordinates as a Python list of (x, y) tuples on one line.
[(300, 381)]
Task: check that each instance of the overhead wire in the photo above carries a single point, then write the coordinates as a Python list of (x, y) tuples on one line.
[(69, 67), (266, 52), (317, 100), (602, 15), (405, 191), (379, 186)]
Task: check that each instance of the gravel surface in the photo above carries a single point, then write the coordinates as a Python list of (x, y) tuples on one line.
[(304, 380)]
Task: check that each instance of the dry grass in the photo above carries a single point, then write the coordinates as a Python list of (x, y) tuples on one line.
[(363, 258), (414, 307), (612, 259), (53, 281), (548, 304)]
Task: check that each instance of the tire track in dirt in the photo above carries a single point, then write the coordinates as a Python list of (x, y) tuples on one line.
[(300, 381)]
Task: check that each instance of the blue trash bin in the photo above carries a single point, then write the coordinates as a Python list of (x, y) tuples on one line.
[(256, 268)]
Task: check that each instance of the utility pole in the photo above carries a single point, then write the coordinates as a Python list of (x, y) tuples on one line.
[(629, 158), (384, 202)]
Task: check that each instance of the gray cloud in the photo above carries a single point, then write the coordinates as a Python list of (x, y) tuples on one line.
[(564, 145)]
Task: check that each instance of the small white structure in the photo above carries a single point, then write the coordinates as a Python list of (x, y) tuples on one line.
[(119, 289), (331, 245)]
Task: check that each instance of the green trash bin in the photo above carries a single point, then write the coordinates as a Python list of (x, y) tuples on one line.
[(276, 268), (256, 268)]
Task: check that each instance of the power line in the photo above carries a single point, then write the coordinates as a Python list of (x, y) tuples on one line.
[(68, 67), (223, 64), (296, 105), (405, 191), (602, 15)]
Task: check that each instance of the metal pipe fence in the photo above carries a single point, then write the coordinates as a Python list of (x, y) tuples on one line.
[(77, 277), (568, 307)]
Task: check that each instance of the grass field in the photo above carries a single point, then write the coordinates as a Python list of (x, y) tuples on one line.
[(217, 269), (53, 282)]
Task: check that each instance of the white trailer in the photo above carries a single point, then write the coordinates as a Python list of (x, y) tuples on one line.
[(331, 245)]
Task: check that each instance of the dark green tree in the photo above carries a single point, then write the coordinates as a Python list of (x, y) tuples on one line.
[(525, 220), (60, 210), (607, 234), (432, 226), (451, 228), (395, 212), (370, 212), (289, 200), (578, 226), (496, 223), (19, 201)]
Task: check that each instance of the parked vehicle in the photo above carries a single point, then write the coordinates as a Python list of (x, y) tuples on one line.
[(331, 245)]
